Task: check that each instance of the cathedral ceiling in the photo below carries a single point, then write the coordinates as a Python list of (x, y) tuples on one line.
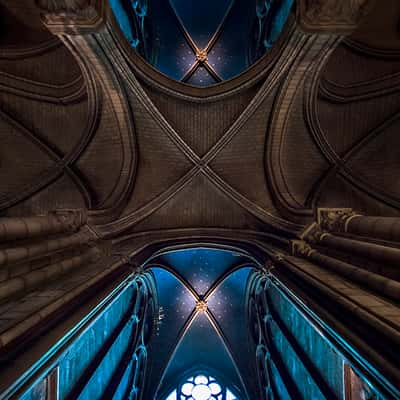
[(86, 123)]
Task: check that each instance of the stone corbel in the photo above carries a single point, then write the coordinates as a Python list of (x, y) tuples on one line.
[(340, 17), (72, 17), (313, 234), (75, 218), (300, 248), (335, 219), (105, 246)]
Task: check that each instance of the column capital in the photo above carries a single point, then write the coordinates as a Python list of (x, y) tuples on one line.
[(339, 17), (72, 17), (75, 218), (300, 248), (334, 219), (278, 256), (313, 234)]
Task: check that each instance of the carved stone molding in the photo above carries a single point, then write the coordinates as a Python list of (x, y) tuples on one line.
[(291, 103), (300, 248), (74, 218), (72, 16), (278, 256), (313, 234), (92, 58), (339, 17), (55, 6), (334, 219)]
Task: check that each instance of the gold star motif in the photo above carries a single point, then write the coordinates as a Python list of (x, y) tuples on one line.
[(201, 55), (201, 306)]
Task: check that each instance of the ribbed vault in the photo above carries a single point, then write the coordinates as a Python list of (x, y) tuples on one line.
[(202, 292), (89, 122)]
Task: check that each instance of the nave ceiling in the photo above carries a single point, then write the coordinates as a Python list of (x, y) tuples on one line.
[(86, 123)]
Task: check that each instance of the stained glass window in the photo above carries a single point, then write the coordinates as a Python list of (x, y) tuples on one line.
[(201, 387)]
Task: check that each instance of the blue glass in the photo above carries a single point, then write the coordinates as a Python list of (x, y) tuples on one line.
[(103, 374), (278, 383), (202, 387), (294, 366), (123, 385), (87, 341)]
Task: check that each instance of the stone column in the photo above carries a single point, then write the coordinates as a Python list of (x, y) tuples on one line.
[(380, 254), (61, 221), (384, 228), (345, 220), (352, 234), (35, 244), (32, 280), (375, 282), (17, 254)]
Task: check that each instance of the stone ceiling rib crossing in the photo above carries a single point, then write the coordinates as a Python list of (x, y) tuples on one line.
[(160, 147)]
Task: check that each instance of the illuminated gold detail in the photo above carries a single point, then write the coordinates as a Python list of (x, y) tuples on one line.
[(201, 55), (201, 306)]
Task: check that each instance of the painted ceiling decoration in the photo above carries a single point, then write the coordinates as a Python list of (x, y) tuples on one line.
[(202, 328), (198, 42)]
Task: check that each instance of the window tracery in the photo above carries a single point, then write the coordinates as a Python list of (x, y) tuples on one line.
[(201, 387)]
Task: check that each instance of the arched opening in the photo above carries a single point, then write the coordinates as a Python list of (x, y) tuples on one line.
[(201, 289), (198, 43)]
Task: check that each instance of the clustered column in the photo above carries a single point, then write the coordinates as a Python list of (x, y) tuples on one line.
[(352, 238), (37, 249)]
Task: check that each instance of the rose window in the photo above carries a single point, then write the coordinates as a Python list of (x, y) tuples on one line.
[(201, 387)]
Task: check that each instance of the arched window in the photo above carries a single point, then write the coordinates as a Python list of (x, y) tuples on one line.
[(201, 387)]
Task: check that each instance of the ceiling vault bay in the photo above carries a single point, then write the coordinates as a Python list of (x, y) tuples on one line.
[(139, 165), (196, 312)]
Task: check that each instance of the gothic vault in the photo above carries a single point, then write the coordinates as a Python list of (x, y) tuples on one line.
[(153, 155)]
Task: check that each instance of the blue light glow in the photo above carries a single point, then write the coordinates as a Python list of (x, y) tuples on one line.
[(201, 387), (233, 34)]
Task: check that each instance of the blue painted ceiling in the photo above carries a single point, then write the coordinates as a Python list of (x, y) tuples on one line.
[(203, 42), (188, 340)]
